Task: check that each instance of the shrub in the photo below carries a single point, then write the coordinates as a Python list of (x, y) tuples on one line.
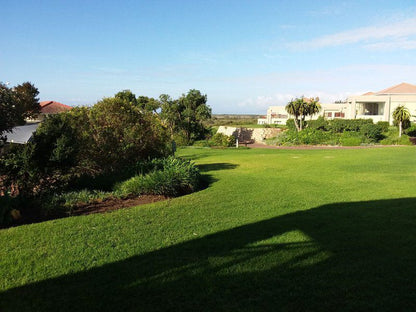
[(201, 143), (320, 124), (306, 136), (411, 131), (223, 140), (384, 125), (85, 142), (350, 139), (176, 177), (290, 124), (396, 140), (372, 132), (341, 125)]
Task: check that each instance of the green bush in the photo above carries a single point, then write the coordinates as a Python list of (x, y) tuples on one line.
[(290, 124), (201, 143), (306, 136), (341, 125), (384, 125), (351, 139), (85, 142), (396, 140), (372, 132), (319, 124), (223, 140), (177, 177), (411, 131)]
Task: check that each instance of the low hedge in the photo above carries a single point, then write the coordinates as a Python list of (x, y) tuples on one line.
[(176, 177)]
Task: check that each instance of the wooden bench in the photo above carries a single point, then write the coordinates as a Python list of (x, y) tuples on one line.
[(245, 142)]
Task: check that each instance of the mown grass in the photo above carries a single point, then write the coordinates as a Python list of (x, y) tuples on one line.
[(291, 230)]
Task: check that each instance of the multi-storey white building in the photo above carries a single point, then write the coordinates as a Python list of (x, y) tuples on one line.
[(378, 106)]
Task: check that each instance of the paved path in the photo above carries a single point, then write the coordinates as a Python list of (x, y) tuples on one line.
[(317, 147)]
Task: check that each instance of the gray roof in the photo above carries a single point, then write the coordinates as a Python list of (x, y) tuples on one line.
[(21, 134)]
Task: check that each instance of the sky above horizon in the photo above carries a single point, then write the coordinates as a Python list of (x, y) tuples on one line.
[(245, 55)]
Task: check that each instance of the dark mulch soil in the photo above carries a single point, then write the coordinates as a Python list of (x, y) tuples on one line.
[(111, 204), (33, 215)]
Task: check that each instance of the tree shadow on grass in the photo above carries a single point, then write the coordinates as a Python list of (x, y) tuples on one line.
[(207, 179), (216, 167), (341, 256)]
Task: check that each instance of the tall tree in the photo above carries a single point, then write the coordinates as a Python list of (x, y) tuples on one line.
[(400, 115), (170, 113), (17, 104), (195, 112), (186, 115)]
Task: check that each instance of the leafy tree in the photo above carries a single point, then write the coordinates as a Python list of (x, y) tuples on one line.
[(143, 102), (127, 96), (122, 133), (186, 115), (401, 114), (148, 104), (109, 137), (17, 104), (170, 113), (194, 112), (302, 107)]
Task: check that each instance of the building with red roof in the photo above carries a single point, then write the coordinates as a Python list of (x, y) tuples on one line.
[(50, 108)]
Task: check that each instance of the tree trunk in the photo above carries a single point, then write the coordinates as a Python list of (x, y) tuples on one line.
[(296, 124), (400, 129)]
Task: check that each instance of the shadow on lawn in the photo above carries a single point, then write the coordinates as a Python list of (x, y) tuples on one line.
[(217, 167), (352, 256)]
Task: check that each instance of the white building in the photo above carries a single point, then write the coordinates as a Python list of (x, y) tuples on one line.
[(378, 106)]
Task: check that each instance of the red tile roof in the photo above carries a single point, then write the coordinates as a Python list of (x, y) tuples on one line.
[(52, 107), (403, 88), (369, 93)]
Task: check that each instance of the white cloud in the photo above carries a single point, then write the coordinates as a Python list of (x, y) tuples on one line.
[(371, 37), (400, 43)]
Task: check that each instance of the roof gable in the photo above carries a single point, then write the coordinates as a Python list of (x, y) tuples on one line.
[(403, 88), (52, 107)]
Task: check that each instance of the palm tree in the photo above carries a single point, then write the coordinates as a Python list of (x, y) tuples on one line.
[(302, 107), (314, 107), (401, 114), (292, 108)]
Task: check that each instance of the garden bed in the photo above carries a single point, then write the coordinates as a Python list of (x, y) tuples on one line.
[(31, 215)]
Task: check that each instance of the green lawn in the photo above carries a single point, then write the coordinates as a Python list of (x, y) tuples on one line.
[(290, 230)]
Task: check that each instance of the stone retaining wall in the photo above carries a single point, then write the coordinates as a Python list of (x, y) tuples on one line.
[(249, 134)]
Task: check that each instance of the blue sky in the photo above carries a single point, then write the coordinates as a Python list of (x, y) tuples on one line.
[(245, 55)]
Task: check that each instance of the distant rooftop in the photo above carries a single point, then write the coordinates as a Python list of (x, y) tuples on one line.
[(402, 88), (52, 107)]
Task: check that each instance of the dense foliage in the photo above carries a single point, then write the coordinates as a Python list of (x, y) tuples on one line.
[(346, 132), (161, 176), (106, 138), (185, 116), (217, 140), (170, 177), (17, 104)]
